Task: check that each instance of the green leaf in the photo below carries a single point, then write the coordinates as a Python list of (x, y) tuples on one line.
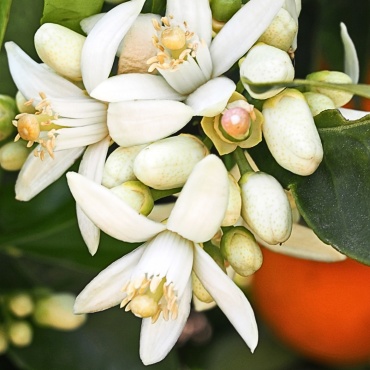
[(69, 13), (356, 89), (154, 6), (335, 199), (4, 17)]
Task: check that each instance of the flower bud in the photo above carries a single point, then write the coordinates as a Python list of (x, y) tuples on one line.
[(262, 64), (167, 163), (136, 195), (265, 207), (3, 340), (20, 333), (339, 97), (199, 290), (291, 134), (118, 167), (235, 203), (223, 10), (60, 48), (13, 155), (281, 31), (21, 304), (7, 114), (23, 105), (318, 102), (240, 249), (56, 311)]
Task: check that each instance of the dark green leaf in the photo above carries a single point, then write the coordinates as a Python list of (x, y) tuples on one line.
[(154, 6), (335, 200), (69, 13), (4, 17)]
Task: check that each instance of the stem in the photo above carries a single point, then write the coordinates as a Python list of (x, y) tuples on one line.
[(208, 142), (241, 161), (159, 194)]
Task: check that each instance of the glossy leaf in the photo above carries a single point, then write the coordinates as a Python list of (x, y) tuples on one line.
[(4, 17), (154, 6), (335, 200)]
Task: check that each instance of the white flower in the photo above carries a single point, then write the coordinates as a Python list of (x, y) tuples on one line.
[(154, 281), (152, 104)]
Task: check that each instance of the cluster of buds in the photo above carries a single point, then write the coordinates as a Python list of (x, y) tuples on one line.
[(23, 310)]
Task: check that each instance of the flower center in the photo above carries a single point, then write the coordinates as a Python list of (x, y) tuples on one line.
[(32, 127), (174, 44), (150, 297)]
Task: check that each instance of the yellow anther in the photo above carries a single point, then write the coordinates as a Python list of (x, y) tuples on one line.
[(173, 38)]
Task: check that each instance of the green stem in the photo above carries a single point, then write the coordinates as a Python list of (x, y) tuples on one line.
[(242, 161), (208, 142), (159, 194)]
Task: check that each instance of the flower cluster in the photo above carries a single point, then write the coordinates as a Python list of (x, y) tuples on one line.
[(168, 118)]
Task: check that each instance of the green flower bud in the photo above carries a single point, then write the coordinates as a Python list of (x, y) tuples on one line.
[(223, 10), (235, 203), (281, 31), (240, 249), (318, 102), (13, 155), (23, 105), (199, 290), (167, 163), (56, 311), (136, 195), (265, 207), (7, 114), (20, 333), (60, 48), (21, 304), (118, 167), (3, 340), (339, 97), (265, 63), (290, 133)]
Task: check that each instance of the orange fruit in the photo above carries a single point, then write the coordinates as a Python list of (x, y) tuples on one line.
[(322, 310)]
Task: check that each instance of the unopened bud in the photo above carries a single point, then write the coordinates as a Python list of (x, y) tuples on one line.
[(290, 133), (281, 31), (13, 155), (167, 163), (23, 105), (7, 114), (21, 304), (199, 290), (339, 97), (265, 207), (263, 64), (60, 48), (235, 203), (136, 195), (318, 102), (240, 249), (56, 311), (20, 333), (223, 10)]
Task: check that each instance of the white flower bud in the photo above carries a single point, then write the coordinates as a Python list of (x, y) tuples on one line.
[(118, 167), (240, 249), (60, 48), (264, 63), (265, 207), (339, 97), (199, 290), (13, 155), (136, 195), (56, 311), (291, 134), (23, 105), (20, 333), (167, 163), (3, 341), (21, 304), (318, 102), (235, 203), (281, 31)]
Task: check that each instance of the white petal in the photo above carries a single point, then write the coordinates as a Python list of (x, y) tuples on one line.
[(210, 99), (352, 114), (241, 32), (91, 166), (102, 42), (201, 206), (36, 175), (109, 213), (351, 63), (227, 295), (204, 59), (73, 137), (140, 122), (78, 108), (196, 13), (87, 24), (135, 86), (105, 290), (157, 339), (79, 122), (167, 255), (32, 78)]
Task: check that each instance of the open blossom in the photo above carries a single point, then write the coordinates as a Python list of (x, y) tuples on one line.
[(154, 281)]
